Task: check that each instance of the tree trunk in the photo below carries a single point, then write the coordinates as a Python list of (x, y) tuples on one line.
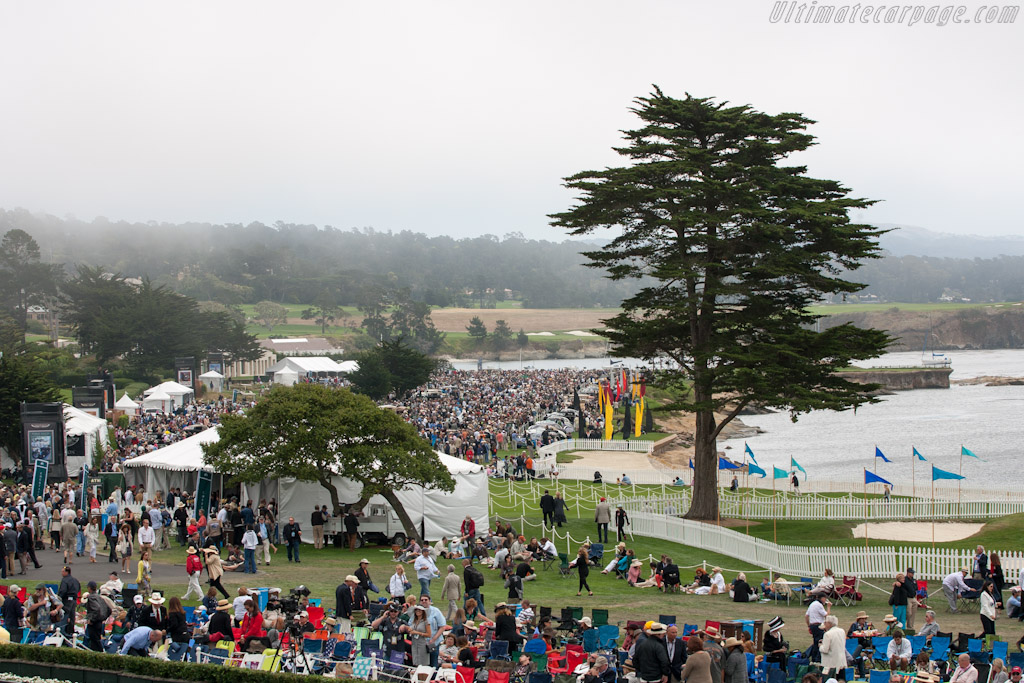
[(410, 529), (335, 502), (704, 499)]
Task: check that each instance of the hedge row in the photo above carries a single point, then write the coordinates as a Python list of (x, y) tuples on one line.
[(146, 667)]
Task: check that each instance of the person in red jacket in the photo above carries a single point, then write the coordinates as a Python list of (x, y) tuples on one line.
[(468, 529), (194, 567), (252, 624)]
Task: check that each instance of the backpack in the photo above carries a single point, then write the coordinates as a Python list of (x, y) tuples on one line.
[(474, 579), (103, 609)]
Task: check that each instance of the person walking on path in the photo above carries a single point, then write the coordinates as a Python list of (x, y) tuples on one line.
[(425, 570), (603, 517), (560, 504), (452, 592), (621, 520), (215, 569), (193, 567)]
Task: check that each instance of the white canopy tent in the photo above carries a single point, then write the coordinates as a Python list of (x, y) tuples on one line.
[(436, 512), (89, 428), (312, 366), (127, 405), (213, 380), (174, 465), (287, 377), (158, 400), (179, 395)]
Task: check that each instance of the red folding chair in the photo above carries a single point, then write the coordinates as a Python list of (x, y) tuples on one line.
[(316, 616), (498, 676), (465, 674), (847, 592)]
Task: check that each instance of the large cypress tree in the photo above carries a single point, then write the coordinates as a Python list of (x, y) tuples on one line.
[(731, 248)]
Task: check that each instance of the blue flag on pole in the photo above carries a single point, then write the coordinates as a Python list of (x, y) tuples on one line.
[(746, 449), (880, 454), (943, 474), (918, 455), (754, 469), (724, 464), (691, 463), (872, 478), (780, 473), (967, 451), (796, 466)]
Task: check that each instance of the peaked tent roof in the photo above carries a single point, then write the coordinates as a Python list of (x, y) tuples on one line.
[(182, 456), (80, 422), (212, 374), (307, 364), (171, 388), (124, 402)]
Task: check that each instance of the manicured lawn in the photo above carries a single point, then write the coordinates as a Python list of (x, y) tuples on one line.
[(323, 570), (839, 309)]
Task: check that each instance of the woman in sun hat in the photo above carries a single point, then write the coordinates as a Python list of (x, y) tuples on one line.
[(775, 648)]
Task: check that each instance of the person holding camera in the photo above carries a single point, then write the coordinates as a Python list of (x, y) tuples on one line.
[(819, 608)]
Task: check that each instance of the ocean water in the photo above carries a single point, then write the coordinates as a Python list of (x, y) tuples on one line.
[(987, 420)]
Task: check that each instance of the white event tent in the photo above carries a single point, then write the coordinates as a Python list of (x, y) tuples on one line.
[(127, 405), (213, 380), (437, 512), (91, 429), (167, 397), (308, 366)]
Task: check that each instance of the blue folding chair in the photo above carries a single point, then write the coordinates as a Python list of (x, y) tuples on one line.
[(190, 615), (852, 645), (940, 649), (536, 646), (498, 650), (917, 644), (689, 628), (975, 644), (342, 650), (312, 646), (1000, 650), (1015, 659), (607, 637), (590, 640), (876, 676)]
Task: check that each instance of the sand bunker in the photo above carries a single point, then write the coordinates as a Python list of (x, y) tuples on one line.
[(540, 334), (581, 333), (920, 532), (612, 463)]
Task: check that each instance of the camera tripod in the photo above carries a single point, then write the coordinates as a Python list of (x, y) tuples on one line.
[(296, 652)]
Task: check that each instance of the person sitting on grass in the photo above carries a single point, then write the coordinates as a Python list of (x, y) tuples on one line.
[(701, 583), (654, 580), (620, 552)]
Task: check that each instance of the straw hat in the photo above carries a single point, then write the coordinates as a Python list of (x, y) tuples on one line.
[(636, 563), (889, 619), (732, 642), (657, 628), (711, 631), (364, 561), (586, 620), (862, 615), (156, 599), (223, 605), (351, 578), (192, 550), (331, 621), (471, 625)]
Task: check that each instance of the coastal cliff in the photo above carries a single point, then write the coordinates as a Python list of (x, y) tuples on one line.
[(959, 329)]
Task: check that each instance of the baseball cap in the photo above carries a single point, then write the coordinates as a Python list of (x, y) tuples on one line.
[(1015, 670), (138, 599)]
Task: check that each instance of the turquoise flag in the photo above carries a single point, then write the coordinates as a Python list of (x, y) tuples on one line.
[(746, 449), (754, 469), (780, 473), (967, 451), (918, 455), (943, 474), (795, 465)]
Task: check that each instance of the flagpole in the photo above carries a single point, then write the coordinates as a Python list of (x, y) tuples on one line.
[(913, 478), (933, 508), (775, 515), (961, 478), (865, 508)]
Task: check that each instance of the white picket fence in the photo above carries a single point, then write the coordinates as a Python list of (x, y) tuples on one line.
[(882, 562), (816, 507)]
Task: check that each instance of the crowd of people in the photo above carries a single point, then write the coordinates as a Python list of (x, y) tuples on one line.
[(475, 415)]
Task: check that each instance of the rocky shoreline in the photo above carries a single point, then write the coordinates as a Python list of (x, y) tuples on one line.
[(992, 381)]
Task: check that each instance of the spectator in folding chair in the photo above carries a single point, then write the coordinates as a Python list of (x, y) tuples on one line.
[(825, 586), (1013, 605), (899, 652), (775, 648), (599, 672), (930, 628), (965, 671), (670, 582)]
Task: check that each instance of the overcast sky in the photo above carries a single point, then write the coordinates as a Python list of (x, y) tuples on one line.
[(462, 117)]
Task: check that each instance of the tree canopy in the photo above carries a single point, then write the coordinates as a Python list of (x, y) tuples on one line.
[(149, 325), (392, 366), (20, 381), (732, 246), (312, 432)]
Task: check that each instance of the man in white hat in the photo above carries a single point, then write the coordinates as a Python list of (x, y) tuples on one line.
[(155, 615), (349, 596), (193, 567)]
